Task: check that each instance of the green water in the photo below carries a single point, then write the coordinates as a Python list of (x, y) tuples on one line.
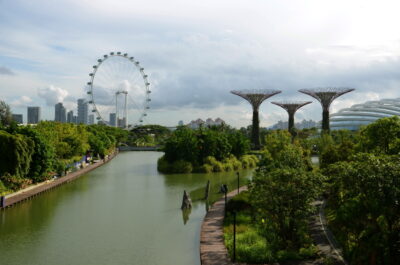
[(124, 212)]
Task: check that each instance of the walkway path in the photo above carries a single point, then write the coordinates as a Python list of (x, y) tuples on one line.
[(212, 247), (214, 252)]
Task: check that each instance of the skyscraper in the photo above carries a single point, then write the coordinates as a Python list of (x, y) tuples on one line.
[(82, 111), (113, 119), (33, 115), (70, 116), (60, 113), (91, 119), (18, 118)]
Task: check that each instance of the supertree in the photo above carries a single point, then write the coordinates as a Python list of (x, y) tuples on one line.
[(291, 108), (326, 96), (255, 97)]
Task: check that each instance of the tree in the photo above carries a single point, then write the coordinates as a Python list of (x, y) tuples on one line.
[(365, 196), (16, 154), (5, 114), (42, 157), (382, 136), (182, 145), (282, 199)]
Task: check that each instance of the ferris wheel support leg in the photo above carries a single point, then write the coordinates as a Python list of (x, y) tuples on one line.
[(116, 110), (125, 112)]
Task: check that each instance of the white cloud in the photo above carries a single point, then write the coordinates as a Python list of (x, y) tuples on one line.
[(52, 95), (196, 52), (21, 102)]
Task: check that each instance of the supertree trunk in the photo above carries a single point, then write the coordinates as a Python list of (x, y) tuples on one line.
[(326, 96), (255, 98), (291, 108), (255, 131), (325, 121), (291, 123)]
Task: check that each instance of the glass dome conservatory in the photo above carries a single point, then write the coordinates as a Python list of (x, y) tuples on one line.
[(362, 114)]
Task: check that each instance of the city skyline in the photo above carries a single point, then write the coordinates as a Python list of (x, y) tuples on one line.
[(195, 56)]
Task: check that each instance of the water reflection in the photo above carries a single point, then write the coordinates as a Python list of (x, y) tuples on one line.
[(186, 214)]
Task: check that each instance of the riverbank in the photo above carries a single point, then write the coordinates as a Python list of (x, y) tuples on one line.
[(32, 191)]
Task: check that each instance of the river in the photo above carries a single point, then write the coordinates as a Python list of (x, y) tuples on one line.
[(124, 212)]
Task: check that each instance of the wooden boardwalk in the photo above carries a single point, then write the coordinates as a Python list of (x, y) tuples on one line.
[(212, 247), (32, 191)]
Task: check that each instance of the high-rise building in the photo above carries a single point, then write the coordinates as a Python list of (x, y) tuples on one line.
[(60, 112), (70, 116), (82, 111), (91, 119), (18, 118), (75, 119), (122, 122), (33, 115), (113, 119)]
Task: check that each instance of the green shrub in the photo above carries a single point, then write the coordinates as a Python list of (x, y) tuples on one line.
[(14, 183), (182, 166), (283, 255), (218, 167), (310, 252), (250, 247), (206, 168), (237, 165), (249, 161), (228, 167), (239, 202), (210, 160), (163, 165), (3, 189)]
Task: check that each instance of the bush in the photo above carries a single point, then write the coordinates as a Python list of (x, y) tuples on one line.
[(182, 166), (228, 167), (206, 168), (14, 183), (249, 161), (239, 202), (218, 167), (163, 165), (250, 247), (3, 188)]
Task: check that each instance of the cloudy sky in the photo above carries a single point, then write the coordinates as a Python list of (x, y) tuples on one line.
[(195, 52)]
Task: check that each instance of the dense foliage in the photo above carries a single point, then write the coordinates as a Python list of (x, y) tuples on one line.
[(363, 190), (148, 135), (281, 193), (205, 150), (364, 198), (5, 114), (30, 153)]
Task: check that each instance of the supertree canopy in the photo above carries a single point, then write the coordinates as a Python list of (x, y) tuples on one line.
[(255, 97), (326, 96), (291, 108)]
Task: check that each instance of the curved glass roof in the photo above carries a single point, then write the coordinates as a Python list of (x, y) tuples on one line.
[(362, 114)]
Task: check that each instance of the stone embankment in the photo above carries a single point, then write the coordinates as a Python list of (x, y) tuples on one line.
[(25, 194)]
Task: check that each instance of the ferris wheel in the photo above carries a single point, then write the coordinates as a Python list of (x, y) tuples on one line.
[(118, 89)]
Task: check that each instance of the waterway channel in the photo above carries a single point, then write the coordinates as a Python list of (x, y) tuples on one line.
[(124, 212)]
